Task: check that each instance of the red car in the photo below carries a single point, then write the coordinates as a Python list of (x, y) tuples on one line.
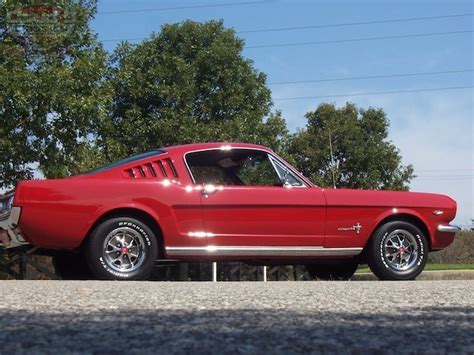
[(218, 202)]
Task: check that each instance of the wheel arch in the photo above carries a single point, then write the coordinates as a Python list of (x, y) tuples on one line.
[(405, 216), (132, 212)]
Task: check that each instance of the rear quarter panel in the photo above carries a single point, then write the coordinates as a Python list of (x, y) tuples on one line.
[(58, 214)]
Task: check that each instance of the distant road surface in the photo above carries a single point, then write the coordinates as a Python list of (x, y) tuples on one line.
[(57, 317)]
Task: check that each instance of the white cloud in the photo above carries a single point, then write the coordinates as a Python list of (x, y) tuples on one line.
[(436, 136)]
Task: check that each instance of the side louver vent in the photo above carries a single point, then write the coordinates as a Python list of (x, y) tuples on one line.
[(163, 168)]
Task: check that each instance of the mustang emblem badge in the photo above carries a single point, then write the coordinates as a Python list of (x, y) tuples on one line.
[(355, 228)]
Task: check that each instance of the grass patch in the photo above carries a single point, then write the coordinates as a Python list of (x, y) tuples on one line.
[(449, 267), (429, 267)]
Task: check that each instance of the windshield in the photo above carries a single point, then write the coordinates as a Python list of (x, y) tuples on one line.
[(128, 160)]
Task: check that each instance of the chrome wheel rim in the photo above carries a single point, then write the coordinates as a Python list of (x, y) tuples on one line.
[(124, 249), (400, 250)]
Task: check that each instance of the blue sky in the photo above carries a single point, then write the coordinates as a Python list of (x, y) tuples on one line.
[(433, 130)]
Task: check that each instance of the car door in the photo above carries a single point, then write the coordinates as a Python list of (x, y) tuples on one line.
[(251, 198)]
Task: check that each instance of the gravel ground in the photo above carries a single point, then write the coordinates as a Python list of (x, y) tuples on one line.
[(275, 317)]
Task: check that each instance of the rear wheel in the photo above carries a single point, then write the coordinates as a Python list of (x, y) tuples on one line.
[(397, 251), (122, 248), (343, 270)]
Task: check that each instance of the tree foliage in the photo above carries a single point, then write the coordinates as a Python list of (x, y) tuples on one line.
[(363, 155), (189, 83), (66, 105), (51, 87)]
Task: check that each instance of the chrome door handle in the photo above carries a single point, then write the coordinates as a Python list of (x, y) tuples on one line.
[(209, 190)]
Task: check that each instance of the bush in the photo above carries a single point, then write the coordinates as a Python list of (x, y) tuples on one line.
[(461, 251)]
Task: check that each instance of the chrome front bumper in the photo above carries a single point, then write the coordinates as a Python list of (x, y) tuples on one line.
[(448, 228), (10, 235)]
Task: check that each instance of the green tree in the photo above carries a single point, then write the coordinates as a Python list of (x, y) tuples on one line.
[(363, 155), (189, 83), (52, 94)]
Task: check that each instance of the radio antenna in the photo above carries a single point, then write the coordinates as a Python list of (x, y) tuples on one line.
[(332, 161)]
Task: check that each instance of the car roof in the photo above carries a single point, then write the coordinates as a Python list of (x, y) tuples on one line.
[(179, 150), (216, 145)]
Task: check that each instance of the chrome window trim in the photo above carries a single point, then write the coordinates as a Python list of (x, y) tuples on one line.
[(276, 162), (129, 164), (305, 181), (262, 251)]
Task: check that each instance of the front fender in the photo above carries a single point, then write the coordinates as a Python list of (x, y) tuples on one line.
[(393, 213)]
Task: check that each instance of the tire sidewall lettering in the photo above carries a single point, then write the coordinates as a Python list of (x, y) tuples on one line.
[(382, 241), (138, 229), (113, 272), (421, 255)]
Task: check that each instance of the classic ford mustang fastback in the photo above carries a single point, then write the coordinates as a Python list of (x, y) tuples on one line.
[(223, 201)]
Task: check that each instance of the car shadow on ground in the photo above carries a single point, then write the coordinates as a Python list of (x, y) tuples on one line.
[(438, 330)]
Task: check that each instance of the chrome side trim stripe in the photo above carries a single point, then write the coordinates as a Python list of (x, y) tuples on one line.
[(262, 251), (448, 228)]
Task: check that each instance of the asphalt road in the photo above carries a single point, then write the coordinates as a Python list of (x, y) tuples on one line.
[(229, 317)]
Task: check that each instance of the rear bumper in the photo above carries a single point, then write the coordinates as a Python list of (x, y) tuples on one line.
[(448, 228), (10, 234)]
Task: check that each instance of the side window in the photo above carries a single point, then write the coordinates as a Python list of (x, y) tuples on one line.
[(257, 170), (244, 167), (285, 175)]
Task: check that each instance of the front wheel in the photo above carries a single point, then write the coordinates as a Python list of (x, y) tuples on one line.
[(397, 251), (122, 248)]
